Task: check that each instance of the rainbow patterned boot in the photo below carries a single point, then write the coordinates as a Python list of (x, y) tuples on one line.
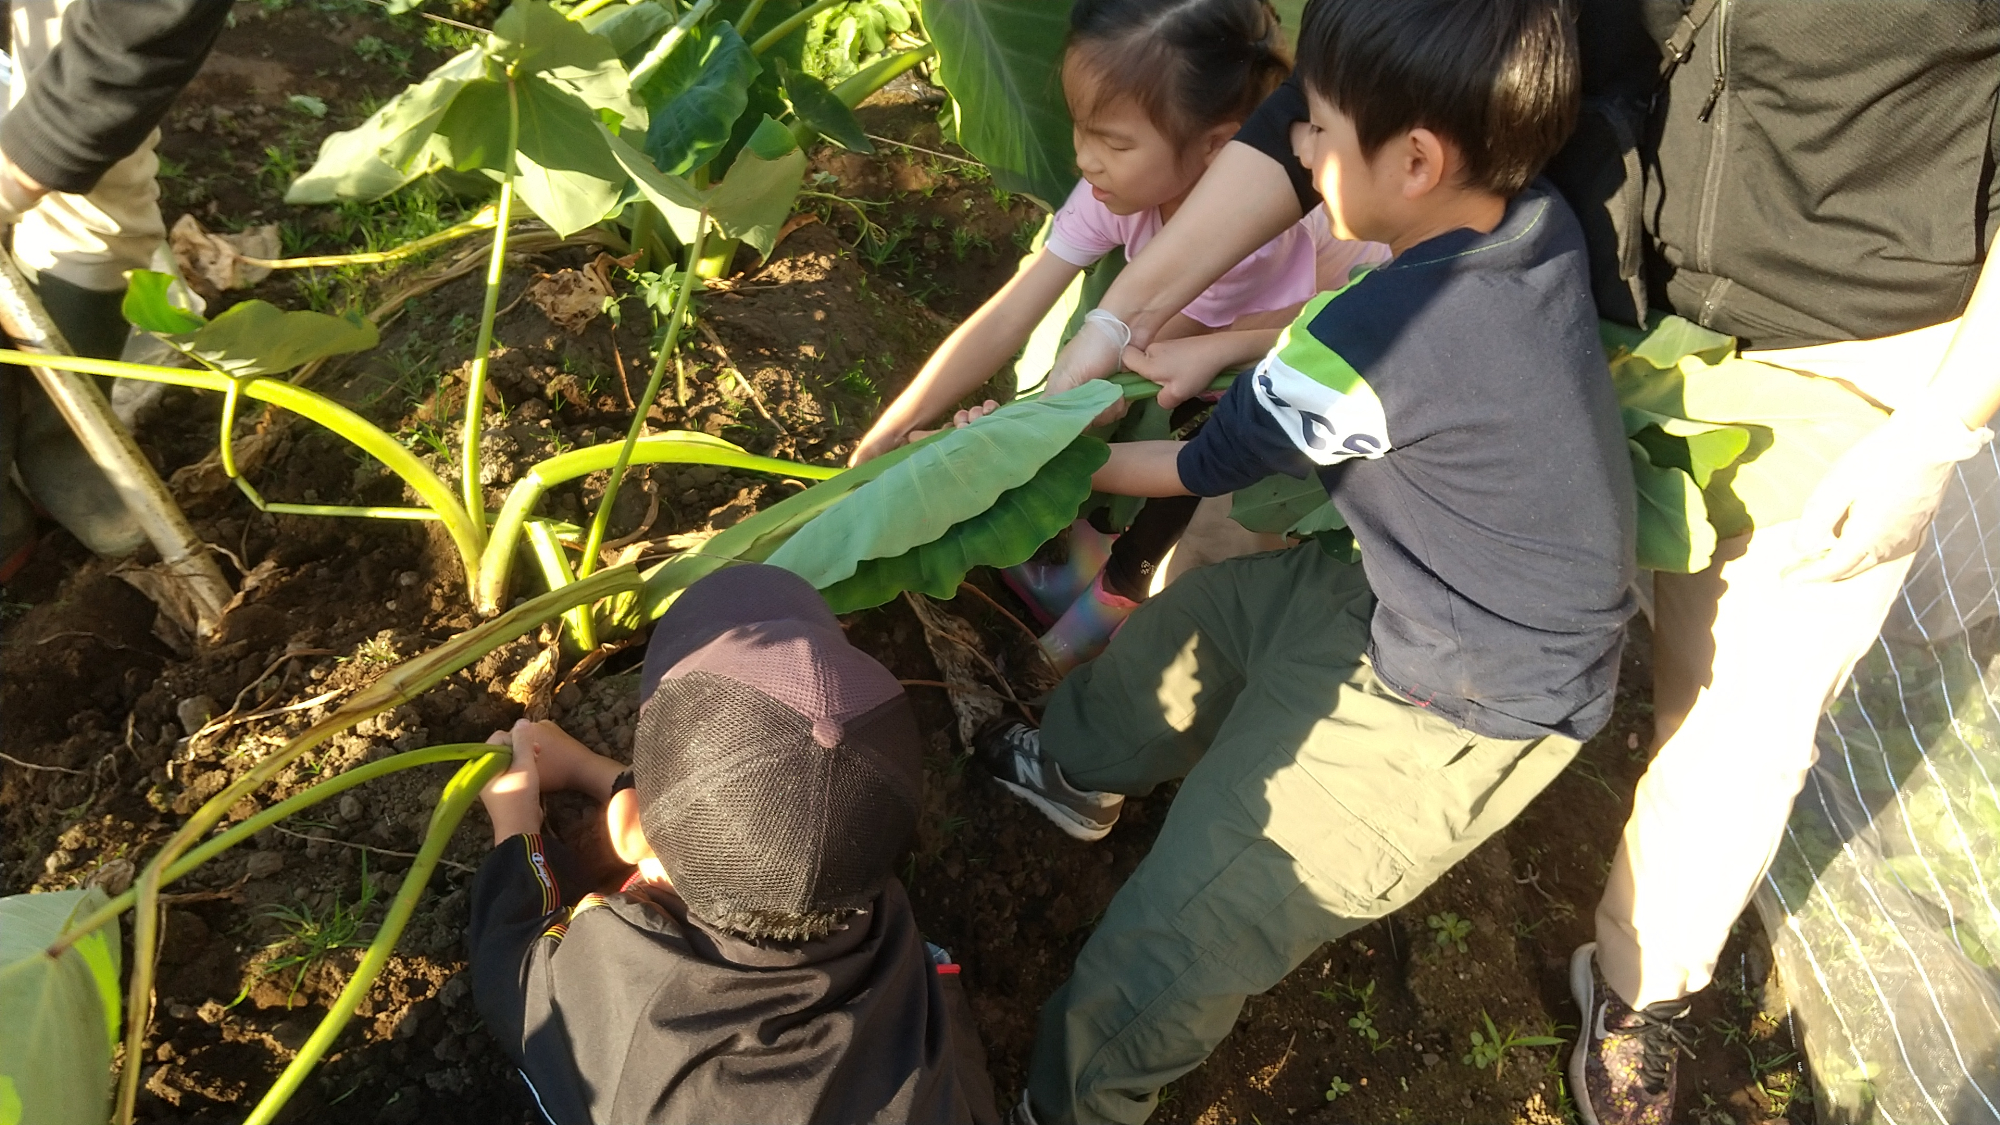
[(1086, 627), (1048, 589)]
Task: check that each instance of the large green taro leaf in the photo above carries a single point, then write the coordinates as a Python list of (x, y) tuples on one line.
[(1796, 424), (61, 1015), (945, 482), (696, 97), (566, 172), (631, 29), (1001, 60), (1276, 503), (1673, 532), (380, 155), (753, 539), (1700, 449), (753, 200), (252, 337), (821, 111), (531, 36), (1021, 520)]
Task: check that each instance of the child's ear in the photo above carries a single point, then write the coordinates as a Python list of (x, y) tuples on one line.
[(621, 817), (1217, 136), (1429, 162)]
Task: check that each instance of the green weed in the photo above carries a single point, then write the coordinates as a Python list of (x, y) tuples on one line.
[(964, 241), (312, 936), (383, 53), (1337, 1087), (448, 39), (1489, 1049), (1449, 931)]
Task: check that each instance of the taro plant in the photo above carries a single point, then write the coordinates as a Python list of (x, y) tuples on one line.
[(548, 108)]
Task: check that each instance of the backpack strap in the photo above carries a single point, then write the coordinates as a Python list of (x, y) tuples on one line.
[(1680, 44)]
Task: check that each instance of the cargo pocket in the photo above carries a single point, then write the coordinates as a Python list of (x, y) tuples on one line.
[(1365, 809)]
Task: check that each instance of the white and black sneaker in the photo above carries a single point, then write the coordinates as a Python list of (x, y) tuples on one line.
[(1012, 752)]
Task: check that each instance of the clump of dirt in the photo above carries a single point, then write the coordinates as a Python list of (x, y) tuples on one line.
[(128, 727)]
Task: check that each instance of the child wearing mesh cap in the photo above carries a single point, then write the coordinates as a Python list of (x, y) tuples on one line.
[(763, 964)]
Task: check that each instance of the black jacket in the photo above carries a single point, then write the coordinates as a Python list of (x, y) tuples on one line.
[(111, 77), (1825, 170), (622, 1009)]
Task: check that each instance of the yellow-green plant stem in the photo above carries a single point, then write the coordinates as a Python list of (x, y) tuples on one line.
[(588, 8), (393, 688), (363, 511), (298, 802), (798, 20), (482, 349), (712, 265), (879, 73), (487, 218), (593, 543), (468, 535), (580, 623), (650, 64), (673, 447), (748, 19), (458, 794)]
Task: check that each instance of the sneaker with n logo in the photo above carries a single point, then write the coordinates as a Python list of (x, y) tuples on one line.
[(1623, 1067), (1012, 752)]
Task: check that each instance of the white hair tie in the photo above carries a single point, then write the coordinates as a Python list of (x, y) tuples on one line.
[(1118, 330)]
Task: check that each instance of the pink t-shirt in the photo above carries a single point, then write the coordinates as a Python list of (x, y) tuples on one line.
[(1287, 270)]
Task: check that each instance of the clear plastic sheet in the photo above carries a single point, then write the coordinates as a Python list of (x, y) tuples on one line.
[(1883, 900)]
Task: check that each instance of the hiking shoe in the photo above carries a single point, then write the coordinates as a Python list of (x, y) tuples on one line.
[(1011, 751), (1622, 1070)]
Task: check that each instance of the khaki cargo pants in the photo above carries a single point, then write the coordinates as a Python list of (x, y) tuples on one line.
[(1315, 799)]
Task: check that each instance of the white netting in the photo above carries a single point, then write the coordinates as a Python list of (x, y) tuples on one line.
[(1883, 901)]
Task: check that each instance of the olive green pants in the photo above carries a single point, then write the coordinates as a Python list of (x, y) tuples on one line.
[(1315, 800)]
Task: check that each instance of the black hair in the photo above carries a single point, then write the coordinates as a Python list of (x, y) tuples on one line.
[(1497, 78), (1188, 64)]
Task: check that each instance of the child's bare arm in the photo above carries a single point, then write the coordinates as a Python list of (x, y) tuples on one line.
[(972, 353), (1142, 468), (1185, 367)]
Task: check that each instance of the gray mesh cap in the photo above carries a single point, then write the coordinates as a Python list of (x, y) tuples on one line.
[(777, 766)]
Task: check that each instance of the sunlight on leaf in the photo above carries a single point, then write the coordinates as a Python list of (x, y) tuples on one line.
[(62, 1015)]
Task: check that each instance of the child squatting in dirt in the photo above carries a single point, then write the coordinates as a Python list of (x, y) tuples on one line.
[(1347, 732), (763, 963)]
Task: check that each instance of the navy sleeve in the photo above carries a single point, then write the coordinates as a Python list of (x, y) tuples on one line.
[(109, 80), (1269, 131), (1239, 445), (517, 900)]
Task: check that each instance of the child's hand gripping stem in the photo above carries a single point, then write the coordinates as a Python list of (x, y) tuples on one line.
[(1185, 367), (546, 760)]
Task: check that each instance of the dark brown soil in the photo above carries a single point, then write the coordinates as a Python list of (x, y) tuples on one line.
[(838, 320)]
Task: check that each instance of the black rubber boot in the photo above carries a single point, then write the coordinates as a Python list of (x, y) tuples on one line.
[(52, 464)]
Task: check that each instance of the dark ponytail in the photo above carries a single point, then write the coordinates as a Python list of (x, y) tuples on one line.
[(1189, 64)]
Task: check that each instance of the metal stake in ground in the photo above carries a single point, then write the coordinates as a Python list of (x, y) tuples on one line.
[(184, 557)]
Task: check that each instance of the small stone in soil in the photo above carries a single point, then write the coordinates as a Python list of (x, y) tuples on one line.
[(194, 711), (263, 865), (350, 808), (1431, 1060)]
